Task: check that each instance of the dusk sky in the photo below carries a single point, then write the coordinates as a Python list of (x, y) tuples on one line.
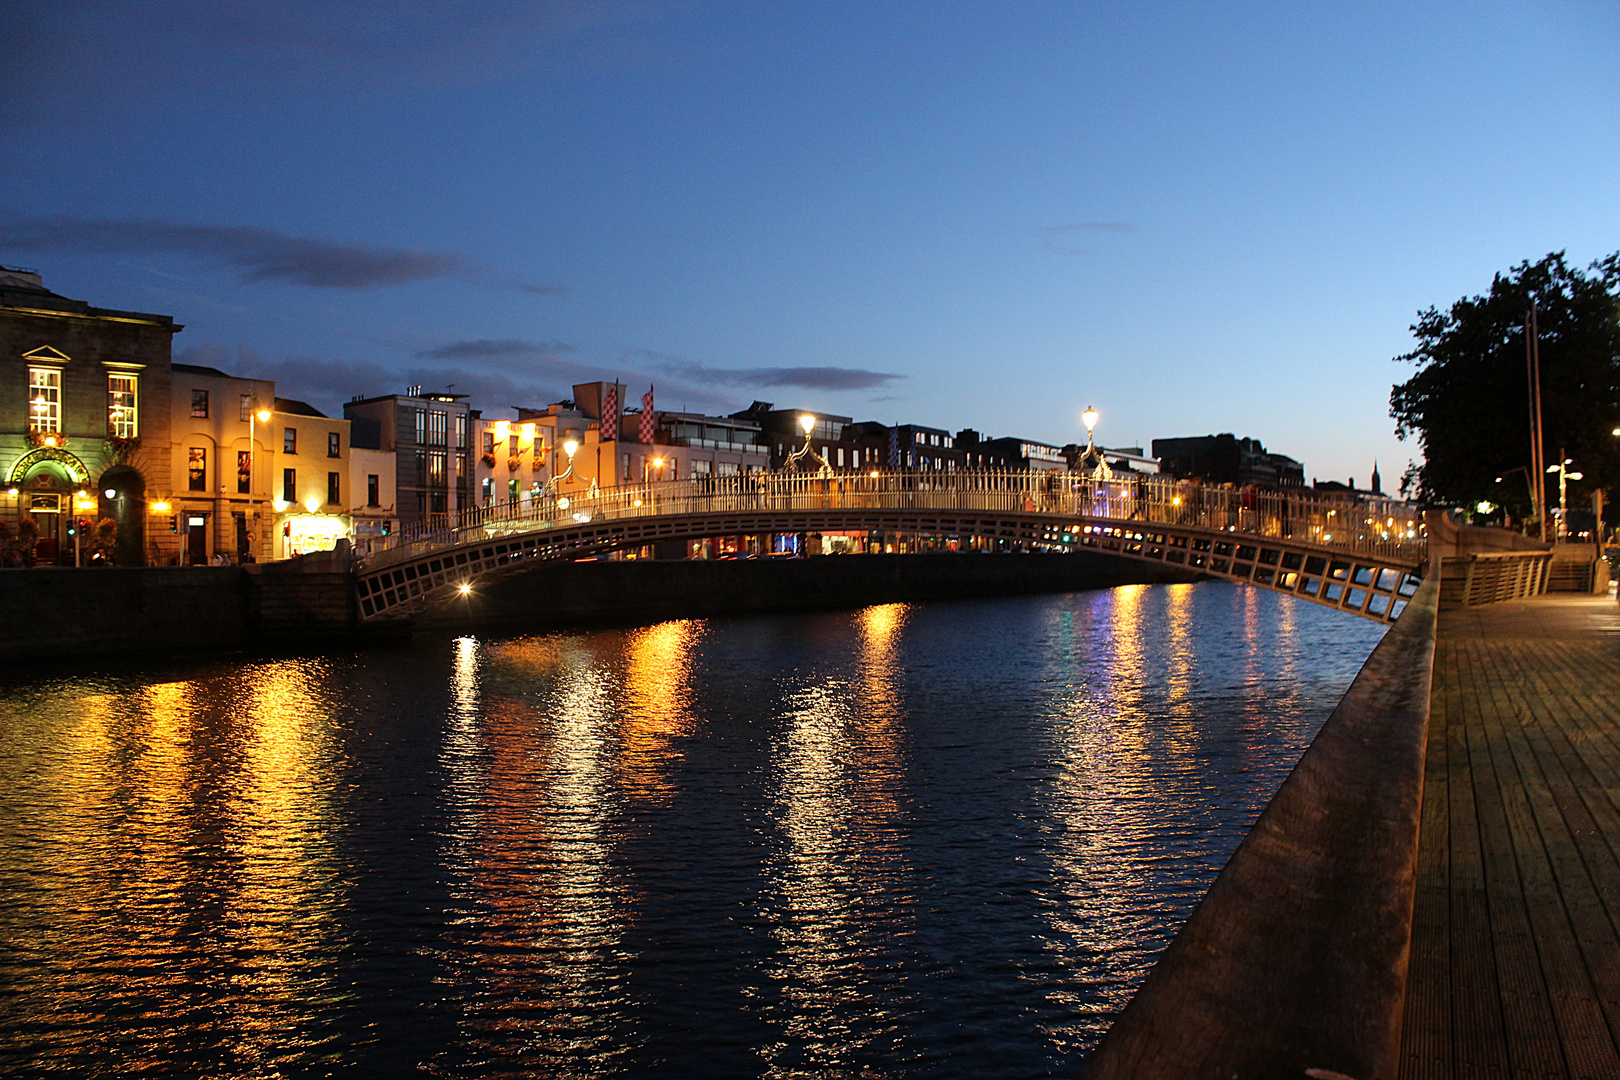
[(1198, 218)]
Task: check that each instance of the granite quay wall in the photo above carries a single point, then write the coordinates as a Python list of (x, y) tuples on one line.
[(1294, 963), (569, 593)]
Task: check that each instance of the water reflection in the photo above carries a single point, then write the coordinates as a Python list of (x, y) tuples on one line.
[(939, 838)]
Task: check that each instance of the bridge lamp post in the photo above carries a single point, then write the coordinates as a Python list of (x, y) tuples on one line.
[(256, 415), (1565, 475)]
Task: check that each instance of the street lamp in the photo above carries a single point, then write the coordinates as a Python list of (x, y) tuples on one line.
[(1565, 475), (1101, 471), (256, 415)]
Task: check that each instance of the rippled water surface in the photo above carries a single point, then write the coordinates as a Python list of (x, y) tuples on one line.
[(932, 840)]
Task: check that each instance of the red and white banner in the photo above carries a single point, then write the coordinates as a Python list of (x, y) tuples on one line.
[(649, 419), (610, 414)]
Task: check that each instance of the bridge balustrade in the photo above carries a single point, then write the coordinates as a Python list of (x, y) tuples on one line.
[(1382, 528)]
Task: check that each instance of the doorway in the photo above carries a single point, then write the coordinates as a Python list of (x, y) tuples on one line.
[(196, 540)]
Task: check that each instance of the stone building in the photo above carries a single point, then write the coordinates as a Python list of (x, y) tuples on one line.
[(1226, 459), (84, 421)]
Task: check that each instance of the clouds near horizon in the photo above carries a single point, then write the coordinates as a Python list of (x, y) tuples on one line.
[(258, 254)]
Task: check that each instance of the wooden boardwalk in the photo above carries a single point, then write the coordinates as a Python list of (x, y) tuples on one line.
[(1515, 961)]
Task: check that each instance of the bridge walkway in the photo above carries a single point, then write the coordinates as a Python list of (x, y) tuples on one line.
[(1515, 953)]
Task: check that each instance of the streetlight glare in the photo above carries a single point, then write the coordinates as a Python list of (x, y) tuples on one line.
[(1089, 418), (570, 448), (264, 416), (807, 422)]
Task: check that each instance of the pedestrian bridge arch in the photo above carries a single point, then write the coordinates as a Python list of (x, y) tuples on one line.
[(1363, 557)]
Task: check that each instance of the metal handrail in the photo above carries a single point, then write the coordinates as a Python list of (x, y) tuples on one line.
[(1378, 527)]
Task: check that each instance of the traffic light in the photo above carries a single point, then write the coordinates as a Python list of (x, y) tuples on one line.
[(388, 528), (174, 523)]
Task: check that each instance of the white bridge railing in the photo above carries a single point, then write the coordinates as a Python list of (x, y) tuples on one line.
[(1379, 527)]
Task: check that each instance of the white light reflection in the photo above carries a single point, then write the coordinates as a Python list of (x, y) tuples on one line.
[(537, 920), (837, 768)]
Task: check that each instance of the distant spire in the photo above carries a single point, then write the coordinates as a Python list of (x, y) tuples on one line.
[(1376, 489)]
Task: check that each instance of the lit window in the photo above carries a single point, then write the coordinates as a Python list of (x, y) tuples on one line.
[(332, 441), (44, 399), (435, 469), (121, 406), (244, 472), (197, 468), (199, 404)]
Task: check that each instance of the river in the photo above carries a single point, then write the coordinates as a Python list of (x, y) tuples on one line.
[(940, 840)]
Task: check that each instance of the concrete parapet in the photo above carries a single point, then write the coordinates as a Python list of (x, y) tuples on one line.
[(1294, 964)]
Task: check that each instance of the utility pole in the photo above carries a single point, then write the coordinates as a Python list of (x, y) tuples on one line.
[(1532, 359)]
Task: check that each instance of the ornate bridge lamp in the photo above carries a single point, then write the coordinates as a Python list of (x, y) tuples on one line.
[(800, 458), (570, 447), (1092, 462), (1565, 475)]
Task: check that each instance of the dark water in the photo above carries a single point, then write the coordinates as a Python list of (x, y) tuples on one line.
[(936, 840)]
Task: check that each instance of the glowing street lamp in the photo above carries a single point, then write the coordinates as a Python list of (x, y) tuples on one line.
[(1565, 475)]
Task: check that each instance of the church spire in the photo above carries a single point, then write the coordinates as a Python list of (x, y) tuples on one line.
[(1376, 489)]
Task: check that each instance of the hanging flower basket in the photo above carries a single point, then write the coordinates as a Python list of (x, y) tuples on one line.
[(122, 449), (37, 439)]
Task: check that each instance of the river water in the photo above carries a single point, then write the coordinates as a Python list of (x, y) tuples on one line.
[(911, 840)]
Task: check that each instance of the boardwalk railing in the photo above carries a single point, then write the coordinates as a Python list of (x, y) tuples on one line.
[(1491, 577), (1383, 528)]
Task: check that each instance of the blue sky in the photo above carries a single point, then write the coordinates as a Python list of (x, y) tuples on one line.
[(1198, 218)]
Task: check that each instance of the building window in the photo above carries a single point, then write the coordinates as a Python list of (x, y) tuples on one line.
[(334, 493), (435, 469), (121, 413), (461, 431), (512, 490), (489, 489), (421, 468), (44, 399), (512, 445), (244, 472), (437, 431), (372, 496), (440, 502), (421, 504), (421, 426), (199, 404), (289, 485), (289, 441), (463, 474), (489, 443), (197, 468), (244, 407), (332, 442)]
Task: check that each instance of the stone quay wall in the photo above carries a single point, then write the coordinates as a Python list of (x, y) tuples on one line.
[(71, 615)]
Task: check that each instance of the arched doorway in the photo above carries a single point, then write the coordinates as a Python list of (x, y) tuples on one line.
[(121, 495), (46, 482)]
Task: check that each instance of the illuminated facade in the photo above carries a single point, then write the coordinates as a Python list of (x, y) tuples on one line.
[(311, 488), (84, 422), (220, 459)]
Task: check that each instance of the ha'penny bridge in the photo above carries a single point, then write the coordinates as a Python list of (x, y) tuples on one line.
[(1362, 557), (1432, 891)]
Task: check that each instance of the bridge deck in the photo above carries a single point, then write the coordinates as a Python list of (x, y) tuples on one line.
[(1515, 963)]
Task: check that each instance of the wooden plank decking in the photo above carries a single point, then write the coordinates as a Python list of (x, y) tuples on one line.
[(1515, 959)]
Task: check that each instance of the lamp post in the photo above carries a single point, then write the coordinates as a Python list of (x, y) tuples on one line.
[(1565, 475), (262, 416)]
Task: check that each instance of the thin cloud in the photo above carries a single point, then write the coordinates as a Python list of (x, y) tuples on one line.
[(1093, 226), (494, 349), (807, 378), (259, 254)]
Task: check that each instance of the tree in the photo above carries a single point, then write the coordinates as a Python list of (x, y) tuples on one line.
[(1468, 403)]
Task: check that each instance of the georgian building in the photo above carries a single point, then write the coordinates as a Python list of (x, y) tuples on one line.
[(84, 421), (221, 461)]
